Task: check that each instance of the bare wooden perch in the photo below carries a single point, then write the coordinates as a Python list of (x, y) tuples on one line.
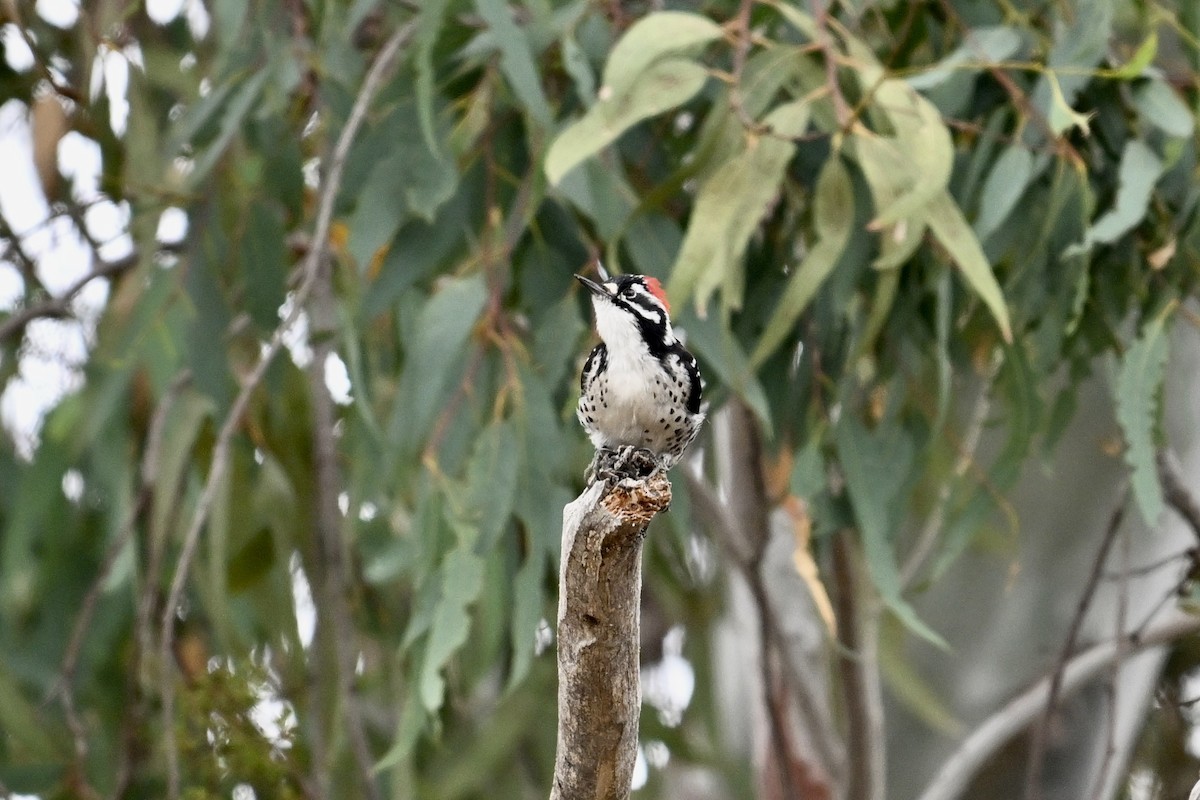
[(599, 698)]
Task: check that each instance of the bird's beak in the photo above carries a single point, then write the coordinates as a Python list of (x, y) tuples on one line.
[(593, 287)]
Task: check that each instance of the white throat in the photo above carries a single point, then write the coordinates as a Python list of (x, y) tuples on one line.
[(618, 330)]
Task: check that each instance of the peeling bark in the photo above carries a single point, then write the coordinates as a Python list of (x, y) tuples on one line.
[(599, 697)]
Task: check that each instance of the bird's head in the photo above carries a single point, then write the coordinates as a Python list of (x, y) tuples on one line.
[(631, 310)]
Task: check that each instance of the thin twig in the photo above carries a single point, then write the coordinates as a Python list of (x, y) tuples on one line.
[(741, 50), (25, 263), (1159, 605), (863, 747), (934, 523), (730, 536), (64, 686), (60, 88), (1192, 553), (220, 459), (841, 109), (1018, 97), (334, 577), (743, 523), (994, 732), (60, 306), (1114, 672), (1177, 495), (1041, 733)]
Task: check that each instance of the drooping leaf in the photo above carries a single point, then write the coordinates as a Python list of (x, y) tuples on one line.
[(243, 98), (1141, 58), (264, 264), (653, 38), (1079, 46), (576, 64), (919, 152), (516, 60), (410, 181), (1063, 116), (911, 688), (28, 738), (980, 47), (492, 480), (948, 225), (461, 580), (712, 341), (442, 328), (1139, 383), (662, 86), (729, 207), (888, 176), (925, 148), (528, 599), (832, 221), (1140, 170), (429, 25), (1161, 106), (876, 465), (1006, 182)]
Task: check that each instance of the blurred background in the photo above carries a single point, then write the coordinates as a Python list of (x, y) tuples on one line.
[(289, 355)]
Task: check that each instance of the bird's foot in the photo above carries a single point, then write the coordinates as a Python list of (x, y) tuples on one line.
[(613, 466)]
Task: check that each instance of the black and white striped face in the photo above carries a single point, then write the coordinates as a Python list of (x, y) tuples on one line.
[(632, 313)]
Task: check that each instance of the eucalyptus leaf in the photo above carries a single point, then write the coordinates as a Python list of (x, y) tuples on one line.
[(654, 38), (833, 217), (950, 228), (1006, 182), (1140, 170), (1161, 106), (443, 326), (528, 601), (981, 47), (516, 60), (1141, 58), (576, 64), (729, 207), (234, 113), (492, 480), (875, 465), (661, 87), (1139, 383), (433, 13), (461, 581)]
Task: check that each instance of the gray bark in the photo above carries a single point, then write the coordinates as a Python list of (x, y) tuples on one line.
[(599, 696)]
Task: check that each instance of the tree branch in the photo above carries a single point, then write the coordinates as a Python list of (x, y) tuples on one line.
[(841, 109), (598, 637), (64, 687), (61, 306), (1017, 714), (740, 525), (333, 572), (1041, 734), (1177, 495), (859, 670), (221, 450)]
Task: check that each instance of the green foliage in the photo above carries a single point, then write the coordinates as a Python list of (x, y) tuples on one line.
[(225, 745), (861, 224), (1139, 382)]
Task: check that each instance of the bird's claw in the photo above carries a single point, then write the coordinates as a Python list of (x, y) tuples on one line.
[(613, 466)]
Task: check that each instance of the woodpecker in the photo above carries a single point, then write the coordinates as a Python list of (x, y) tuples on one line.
[(639, 392)]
